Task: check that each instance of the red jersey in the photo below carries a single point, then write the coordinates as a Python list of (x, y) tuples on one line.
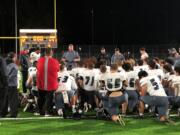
[(47, 74)]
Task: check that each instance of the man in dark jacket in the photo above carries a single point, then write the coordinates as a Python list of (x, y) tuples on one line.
[(3, 85), (104, 57), (25, 63)]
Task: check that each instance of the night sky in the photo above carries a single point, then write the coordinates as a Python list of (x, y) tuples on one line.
[(111, 22)]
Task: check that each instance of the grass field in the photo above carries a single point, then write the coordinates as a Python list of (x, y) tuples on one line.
[(134, 126)]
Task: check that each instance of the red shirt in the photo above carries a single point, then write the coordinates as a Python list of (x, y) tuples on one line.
[(47, 73)]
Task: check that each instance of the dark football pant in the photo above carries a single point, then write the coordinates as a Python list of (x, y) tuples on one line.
[(24, 79), (45, 101), (3, 93), (12, 101)]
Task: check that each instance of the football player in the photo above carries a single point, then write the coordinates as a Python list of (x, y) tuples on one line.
[(65, 94), (131, 90), (114, 82), (153, 94)]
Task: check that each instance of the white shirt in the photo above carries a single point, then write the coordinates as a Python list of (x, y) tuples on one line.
[(114, 81), (154, 86), (66, 82), (140, 68), (32, 70), (34, 57), (75, 72), (157, 72), (90, 79), (131, 79), (176, 81)]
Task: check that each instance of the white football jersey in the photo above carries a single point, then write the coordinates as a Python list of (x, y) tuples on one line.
[(172, 77), (114, 81), (157, 72), (176, 81), (77, 71), (131, 79), (140, 68), (32, 70), (154, 86), (33, 75), (90, 79), (66, 82), (34, 57)]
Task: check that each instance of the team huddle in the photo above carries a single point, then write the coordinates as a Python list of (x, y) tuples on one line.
[(125, 87)]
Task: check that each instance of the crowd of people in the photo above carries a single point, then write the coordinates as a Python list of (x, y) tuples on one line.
[(111, 87)]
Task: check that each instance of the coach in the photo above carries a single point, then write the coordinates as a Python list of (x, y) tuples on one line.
[(71, 57), (47, 81)]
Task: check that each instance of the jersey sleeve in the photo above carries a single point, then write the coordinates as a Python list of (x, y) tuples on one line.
[(73, 84), (143, 81)]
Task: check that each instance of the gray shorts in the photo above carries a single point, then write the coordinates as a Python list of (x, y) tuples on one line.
[(161, 103), (115, 102)]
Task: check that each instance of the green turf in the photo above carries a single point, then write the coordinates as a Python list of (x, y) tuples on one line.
[(146, 126)]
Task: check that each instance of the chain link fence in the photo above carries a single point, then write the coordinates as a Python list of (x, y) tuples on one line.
[(154, 50)]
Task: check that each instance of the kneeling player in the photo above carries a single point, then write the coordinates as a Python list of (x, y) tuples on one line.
[(153, 94), (175, 88), (66, 92), (114, 82)]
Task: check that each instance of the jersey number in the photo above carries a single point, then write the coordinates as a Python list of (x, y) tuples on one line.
[(64, 79), (89, 80), (132, 82), (154, 84), (117, 83)]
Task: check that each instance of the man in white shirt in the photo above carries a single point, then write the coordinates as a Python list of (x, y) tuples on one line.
[(90, 83), (114, 83), (157, 97), (65, 94), (131, 90), (153, 71)]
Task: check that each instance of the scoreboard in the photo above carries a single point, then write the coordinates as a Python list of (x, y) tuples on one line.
[(32, 38)]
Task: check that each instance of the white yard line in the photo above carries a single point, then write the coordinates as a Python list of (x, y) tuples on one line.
[(47, 118), (29, 118)]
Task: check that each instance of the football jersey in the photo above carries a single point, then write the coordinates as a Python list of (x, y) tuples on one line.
[(157, 72), (66, 82), (131, 78), (114, 81), (32, 70), (90, 79), (176, 81), (154, 86), (172, 77), (140, 68), (75, 72), (33, 75)]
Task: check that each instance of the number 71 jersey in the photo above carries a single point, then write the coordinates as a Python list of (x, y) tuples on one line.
[(90, 79), (154, 85)]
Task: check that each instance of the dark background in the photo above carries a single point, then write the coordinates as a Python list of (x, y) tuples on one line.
[(96, 22)]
